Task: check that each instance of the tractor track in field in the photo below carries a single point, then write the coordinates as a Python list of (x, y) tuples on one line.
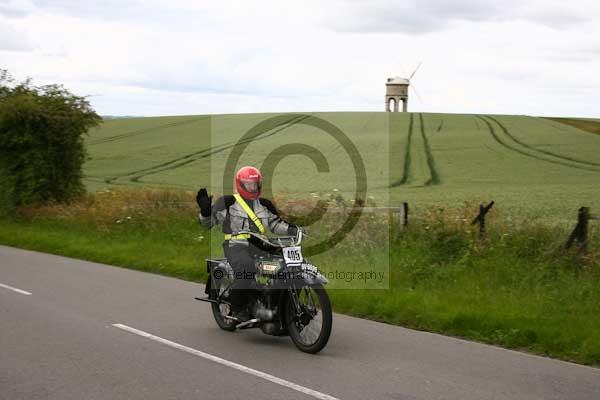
[(104, 180), (406, 170), (517, 150), (145, 130), (434, 177), (560, 156), (135, 176), (440, 126)]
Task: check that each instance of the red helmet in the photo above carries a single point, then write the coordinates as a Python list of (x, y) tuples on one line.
[(248, 182)]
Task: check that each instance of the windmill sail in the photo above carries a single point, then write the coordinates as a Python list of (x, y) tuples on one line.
[(415, 71)]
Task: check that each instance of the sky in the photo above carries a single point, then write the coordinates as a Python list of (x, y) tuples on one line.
[(180, 57)]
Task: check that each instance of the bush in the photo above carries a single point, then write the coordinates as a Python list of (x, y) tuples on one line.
[(41, 142), (7, 203)]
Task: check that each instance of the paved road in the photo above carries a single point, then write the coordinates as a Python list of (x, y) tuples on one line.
[(61, 342)]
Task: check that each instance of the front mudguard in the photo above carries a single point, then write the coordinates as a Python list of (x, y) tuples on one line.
[(309, 275), (310, 278)]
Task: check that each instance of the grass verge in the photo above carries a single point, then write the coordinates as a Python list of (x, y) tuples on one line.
[(517, 288)]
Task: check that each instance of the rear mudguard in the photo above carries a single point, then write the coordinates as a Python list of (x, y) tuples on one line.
[(213, 265)]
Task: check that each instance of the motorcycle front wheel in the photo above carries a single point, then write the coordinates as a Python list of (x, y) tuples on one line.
[(309, 318)]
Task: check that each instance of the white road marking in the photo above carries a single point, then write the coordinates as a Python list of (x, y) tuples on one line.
[(14, 289), (231, 364)]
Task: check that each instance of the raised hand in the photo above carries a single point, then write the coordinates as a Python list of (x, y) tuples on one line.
[(204, 202)]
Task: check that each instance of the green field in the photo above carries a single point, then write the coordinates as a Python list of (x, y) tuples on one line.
[(517, 286), (530, 166)]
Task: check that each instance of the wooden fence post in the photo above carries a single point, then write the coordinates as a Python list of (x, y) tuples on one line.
[(404, 214), (481, 217), (580, 232)]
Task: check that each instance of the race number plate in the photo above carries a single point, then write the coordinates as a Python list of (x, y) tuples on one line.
[(292, 255)]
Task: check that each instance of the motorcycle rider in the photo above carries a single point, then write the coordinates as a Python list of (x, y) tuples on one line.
[(243, 211)]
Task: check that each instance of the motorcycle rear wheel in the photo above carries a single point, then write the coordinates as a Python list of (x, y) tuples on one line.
[(310, 330), (221, 310)]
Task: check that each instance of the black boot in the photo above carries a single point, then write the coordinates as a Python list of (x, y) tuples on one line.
[(240, 312)]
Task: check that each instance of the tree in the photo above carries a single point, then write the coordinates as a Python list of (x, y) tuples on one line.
[(41, 141)]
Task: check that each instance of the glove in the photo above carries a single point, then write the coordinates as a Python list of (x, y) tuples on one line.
[(204, 202)]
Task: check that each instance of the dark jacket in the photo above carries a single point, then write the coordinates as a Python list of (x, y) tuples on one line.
[(231, 215)]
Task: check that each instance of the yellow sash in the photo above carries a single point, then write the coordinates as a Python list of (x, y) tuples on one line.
[(251, 215)]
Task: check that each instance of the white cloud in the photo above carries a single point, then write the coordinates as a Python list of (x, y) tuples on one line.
[(423, 16), (182, 57), (16, 8), (12, 39)]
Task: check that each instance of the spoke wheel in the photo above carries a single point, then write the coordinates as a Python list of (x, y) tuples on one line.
[(309, 323), (222, 310)]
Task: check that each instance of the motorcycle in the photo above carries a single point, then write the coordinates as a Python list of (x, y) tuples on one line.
[(289, 299)]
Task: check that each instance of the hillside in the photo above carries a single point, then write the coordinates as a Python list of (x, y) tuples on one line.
[(530, 166)]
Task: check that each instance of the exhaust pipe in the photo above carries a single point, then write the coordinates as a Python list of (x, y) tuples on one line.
[(246, 323)]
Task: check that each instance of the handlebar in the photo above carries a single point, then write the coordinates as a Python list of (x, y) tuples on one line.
[(276, 240)]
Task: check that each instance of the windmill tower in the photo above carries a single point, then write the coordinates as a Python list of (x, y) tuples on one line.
[(396, 91)]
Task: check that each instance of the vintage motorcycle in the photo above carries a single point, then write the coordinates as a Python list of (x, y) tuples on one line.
[(289, 295)]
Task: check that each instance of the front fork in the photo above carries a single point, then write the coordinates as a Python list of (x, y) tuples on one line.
[(302, 309), (295, 299)]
